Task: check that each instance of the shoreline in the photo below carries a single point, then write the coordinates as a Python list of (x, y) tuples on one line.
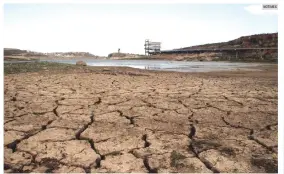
[(54, 67), (21, 58)]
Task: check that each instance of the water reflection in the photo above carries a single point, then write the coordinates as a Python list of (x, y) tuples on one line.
[(182, 66)]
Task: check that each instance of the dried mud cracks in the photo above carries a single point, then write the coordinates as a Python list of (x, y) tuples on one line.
[(165, 122)]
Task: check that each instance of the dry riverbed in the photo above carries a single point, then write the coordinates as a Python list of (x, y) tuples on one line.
[(88, 119)]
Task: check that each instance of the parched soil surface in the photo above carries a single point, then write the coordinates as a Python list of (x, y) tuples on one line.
[(140, 121)]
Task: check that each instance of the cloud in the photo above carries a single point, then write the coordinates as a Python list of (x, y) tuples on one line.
[(257, 10)]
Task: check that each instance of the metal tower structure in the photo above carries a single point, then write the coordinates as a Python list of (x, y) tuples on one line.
[(151, 47)]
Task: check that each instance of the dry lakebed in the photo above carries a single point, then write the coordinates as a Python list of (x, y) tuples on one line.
[(74, 119)]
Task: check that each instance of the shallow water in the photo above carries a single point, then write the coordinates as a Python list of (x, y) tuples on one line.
[(165, 65)]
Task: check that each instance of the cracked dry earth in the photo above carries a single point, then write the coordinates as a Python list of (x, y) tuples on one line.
[(153, 122)]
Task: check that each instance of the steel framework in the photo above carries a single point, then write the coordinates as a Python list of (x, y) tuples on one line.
[(152, 47)]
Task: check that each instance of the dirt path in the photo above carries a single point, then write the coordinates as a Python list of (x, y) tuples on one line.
[(148, 122)]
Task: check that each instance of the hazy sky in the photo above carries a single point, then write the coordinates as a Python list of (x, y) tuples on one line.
[(103, 28)]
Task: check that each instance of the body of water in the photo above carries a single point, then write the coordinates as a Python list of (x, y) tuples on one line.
[(163, 65)]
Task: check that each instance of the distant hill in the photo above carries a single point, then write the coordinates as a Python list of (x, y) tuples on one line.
[(267, 42), (13, 51), (26, 53), (252, 41)]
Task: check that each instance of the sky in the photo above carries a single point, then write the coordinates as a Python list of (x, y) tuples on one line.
[(103, 28)]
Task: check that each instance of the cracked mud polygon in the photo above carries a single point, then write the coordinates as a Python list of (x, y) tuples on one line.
[(141, 122)]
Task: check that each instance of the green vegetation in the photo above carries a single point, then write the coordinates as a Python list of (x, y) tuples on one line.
[(14, 68), (51, 67), (175, 157)]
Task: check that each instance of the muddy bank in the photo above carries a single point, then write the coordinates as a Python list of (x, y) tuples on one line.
[(64, 118)]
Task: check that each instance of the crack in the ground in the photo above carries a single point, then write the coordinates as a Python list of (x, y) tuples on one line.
[(270, 148), (42, 113), (91, 141), (131, 119), (184, 105), (55, 109), (63, 127), (103, 140), (146, 142), (99, 101), (145, 159), (73, 90), (9, 129), (191, 116), (240, 103), (114, 82), (16, 117), (268, 127), (235, 126), (9, 121), (148, 167), (118, 103), (13, 145), (192, 132), (209, 105)]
